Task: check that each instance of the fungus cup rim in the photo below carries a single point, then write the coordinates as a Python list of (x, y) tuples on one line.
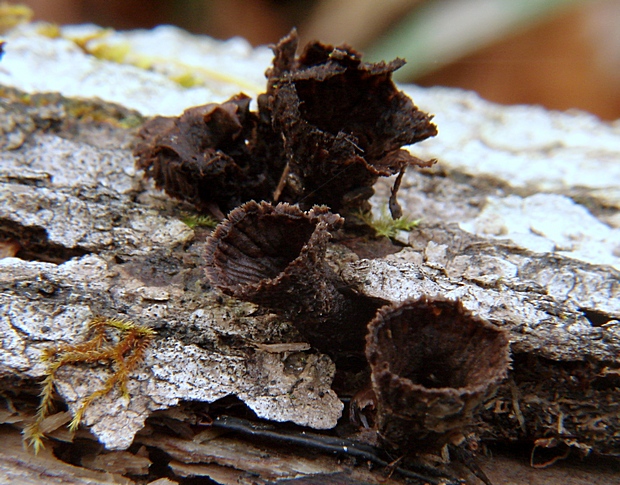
[(380, 367), (320, 216)]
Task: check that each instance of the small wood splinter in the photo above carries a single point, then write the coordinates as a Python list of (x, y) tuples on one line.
[(124, 354)]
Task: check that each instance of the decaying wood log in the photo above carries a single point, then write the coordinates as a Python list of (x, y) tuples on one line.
[(562, 318), (86, 236)]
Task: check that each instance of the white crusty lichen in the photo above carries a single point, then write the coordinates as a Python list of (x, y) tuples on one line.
[(170, 370)]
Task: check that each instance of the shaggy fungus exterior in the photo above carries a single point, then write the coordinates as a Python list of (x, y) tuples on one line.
[(204, 156), (327, 128), (274, 256), (343, 123), (432, 362)]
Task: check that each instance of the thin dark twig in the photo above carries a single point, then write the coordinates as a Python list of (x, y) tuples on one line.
[(324, 443), (395, 208), (467, 458)]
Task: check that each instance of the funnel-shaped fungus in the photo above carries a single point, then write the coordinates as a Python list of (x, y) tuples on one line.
[(274, 256), (327, 128), (204, 156), (343, 122), (432, 362)]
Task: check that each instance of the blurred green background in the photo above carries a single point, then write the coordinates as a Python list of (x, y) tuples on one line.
[(561, 54)]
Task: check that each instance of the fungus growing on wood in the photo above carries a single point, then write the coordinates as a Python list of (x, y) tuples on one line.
[(204, 156), (328, 127), (343, 122), (274, 256), (432, 363)]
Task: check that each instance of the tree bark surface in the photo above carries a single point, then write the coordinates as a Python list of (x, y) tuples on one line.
[(519, 220)]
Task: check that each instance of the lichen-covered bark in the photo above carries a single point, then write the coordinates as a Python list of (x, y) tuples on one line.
[(97, 244), (92, 238), (562, 316)]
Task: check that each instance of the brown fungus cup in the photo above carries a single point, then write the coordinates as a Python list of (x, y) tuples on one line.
[(343, 123), (432, 362), (205, 155), (274, 256)]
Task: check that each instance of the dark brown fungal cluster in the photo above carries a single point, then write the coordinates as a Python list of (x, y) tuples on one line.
[(342, 122), (204, 156), (431, 362), (328, 126)]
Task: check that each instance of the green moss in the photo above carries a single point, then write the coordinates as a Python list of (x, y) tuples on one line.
[(196, 220), (110, 52), (385, 226), (76, 109), (101, 112), (124, 356), (187, 79)]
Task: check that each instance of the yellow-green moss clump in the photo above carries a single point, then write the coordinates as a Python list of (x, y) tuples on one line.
[(124, 352)]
